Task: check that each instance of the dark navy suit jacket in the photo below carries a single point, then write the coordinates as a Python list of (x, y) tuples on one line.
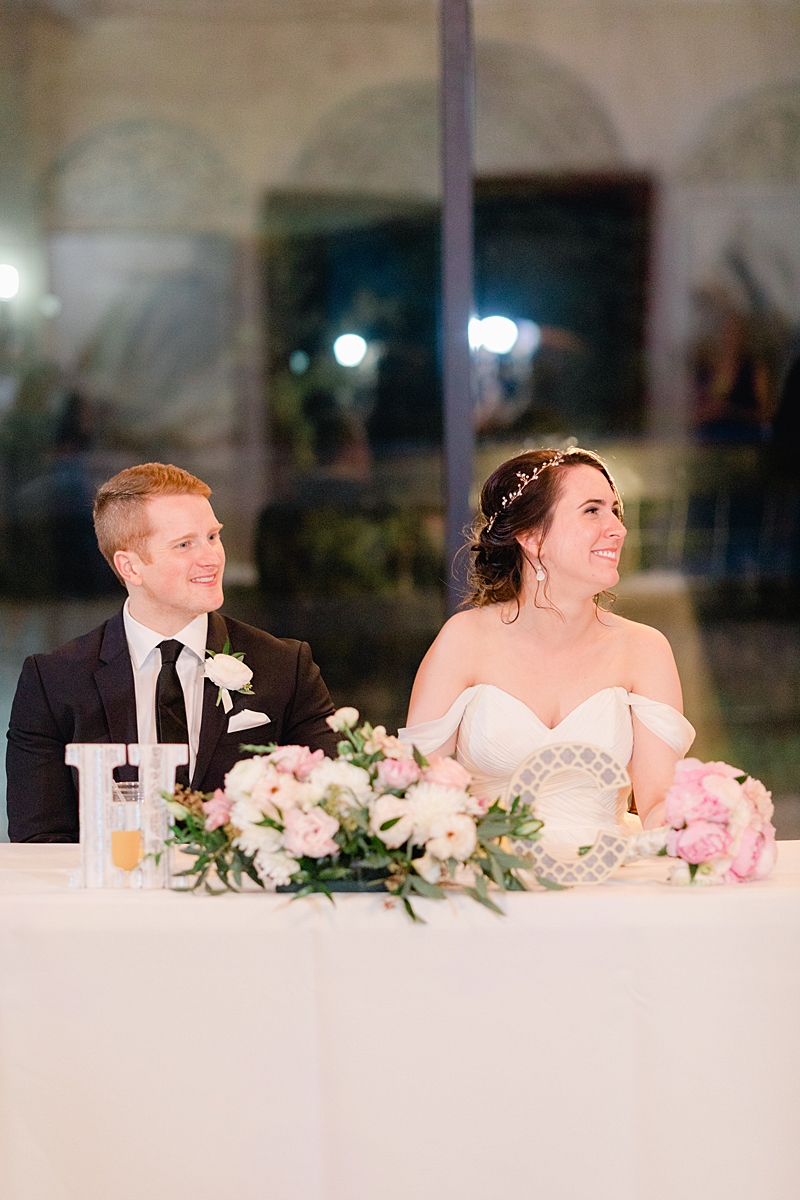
[(84, 692)]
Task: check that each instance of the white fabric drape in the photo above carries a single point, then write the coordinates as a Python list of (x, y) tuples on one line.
[(628, 1042)]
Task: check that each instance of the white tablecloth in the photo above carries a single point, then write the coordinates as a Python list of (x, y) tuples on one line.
[(634, 1042)]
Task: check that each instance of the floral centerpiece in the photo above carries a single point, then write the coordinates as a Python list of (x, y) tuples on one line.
[(379, 815), (718, 825)]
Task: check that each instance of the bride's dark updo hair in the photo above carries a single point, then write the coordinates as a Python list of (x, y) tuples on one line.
[(517, 499)]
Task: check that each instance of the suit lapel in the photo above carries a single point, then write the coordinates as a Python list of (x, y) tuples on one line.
[(114, 679), (214, 721)]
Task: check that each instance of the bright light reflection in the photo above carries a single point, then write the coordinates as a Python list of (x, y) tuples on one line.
[(9, 281), (498, 334), (474, 333), (349, 349)]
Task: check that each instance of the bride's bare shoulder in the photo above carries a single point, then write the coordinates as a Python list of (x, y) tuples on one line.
[(452, 663), (648, 659), (637, 637), (465, 626)]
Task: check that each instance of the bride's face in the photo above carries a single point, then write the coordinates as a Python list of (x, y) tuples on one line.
[(584, 542)]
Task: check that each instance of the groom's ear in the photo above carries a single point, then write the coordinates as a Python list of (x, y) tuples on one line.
[(127, 563)]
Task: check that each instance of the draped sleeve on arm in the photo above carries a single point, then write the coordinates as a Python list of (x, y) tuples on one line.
[(430, 735), (664, 721)]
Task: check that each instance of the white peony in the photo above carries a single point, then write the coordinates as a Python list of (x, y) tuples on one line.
[(386, 808), (351, 783), (342, 719), (429, 802), (452, 837), (276, 868), (255, 839), (228, 672)]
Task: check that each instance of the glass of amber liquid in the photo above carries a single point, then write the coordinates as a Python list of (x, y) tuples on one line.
[(126, 831)]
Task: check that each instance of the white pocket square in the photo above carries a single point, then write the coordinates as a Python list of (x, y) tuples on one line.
[(246, 719)]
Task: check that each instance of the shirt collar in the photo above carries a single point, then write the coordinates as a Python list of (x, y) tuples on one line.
[(142, 641)]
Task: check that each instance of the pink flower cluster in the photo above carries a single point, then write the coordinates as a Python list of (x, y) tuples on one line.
[(399, 773), (716, 820)]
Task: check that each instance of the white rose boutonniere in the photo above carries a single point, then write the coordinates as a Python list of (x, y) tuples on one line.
[(229, 673)]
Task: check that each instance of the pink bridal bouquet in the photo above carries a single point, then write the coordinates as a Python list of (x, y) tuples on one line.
[(378, 816), (719, 825)]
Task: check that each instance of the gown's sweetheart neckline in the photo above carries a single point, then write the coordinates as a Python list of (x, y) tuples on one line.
[(550, 728)]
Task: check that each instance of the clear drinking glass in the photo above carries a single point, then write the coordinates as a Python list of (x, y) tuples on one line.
[(126, 832)]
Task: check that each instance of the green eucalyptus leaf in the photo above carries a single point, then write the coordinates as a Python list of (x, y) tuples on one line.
[(484, 900), (550, 884), (424, 888)]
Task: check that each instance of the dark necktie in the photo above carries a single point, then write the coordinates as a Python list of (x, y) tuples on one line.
[(171, 722)]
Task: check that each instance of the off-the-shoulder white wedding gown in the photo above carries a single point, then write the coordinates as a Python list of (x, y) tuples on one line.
[(496, 731)]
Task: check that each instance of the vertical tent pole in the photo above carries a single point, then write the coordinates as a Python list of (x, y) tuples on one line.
[(457, 250)]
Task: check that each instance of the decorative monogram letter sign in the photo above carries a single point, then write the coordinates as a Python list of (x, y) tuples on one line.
[(609, 848), (157, 766), (95, 765)]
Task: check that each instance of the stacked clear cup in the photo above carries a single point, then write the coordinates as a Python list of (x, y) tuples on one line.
[(126, 833)]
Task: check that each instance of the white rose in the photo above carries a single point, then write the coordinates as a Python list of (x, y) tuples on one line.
[(242, 777), (386, 808), (228, 672), (429, 868), (345, 778), (452, 837), (342, 719), (430, 801)]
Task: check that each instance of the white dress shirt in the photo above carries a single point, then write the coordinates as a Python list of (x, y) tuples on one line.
[(146, 662)]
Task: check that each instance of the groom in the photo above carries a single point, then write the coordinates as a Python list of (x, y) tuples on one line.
[(140, 676)]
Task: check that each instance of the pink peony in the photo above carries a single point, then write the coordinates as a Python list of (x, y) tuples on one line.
[(768, 856), (217, 810), (759, 797), (296, 760), (713, 800), (755, 857), (448, 773), (397, 773), (699, 842), (692, 770), (310, 834)]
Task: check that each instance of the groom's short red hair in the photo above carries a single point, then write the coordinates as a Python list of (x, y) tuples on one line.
[(120, 506)]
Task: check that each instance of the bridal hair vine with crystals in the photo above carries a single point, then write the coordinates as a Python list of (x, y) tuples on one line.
[(524, 480)]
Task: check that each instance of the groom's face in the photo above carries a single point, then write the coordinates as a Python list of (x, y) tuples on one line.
[(181, 576)]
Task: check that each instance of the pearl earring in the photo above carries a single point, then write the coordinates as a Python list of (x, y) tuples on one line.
[(540, 575)]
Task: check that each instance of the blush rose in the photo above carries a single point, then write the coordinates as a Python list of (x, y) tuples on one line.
[(397, 773), (310, 833)]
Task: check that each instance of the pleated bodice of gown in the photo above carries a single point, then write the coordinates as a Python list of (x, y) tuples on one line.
[(496, 731)]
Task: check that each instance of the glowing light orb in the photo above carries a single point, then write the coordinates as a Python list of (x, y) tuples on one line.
[(498, 334), (349, 350), (9, 281)]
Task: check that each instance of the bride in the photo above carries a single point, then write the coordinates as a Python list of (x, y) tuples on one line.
[(535, 660)]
